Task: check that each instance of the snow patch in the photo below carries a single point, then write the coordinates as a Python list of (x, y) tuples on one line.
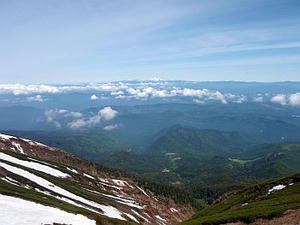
[(33, 142), (18, 211), (119, 182), (107, 210), (173, 210), (5, 137), (124, 201), (163, 221), (72, 170), (89, 176), (131, 217), (9, 180), (33, 165), (276, 188), (18, 146), (143, 191), (139, 215)]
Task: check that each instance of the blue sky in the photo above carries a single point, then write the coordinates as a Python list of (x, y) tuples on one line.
[(62, 41)]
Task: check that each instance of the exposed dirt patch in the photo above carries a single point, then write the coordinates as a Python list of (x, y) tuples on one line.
[(290, 217)]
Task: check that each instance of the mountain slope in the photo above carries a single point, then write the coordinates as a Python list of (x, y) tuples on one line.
[(266, 200), (209, 163), (49, 177), (193, 141)]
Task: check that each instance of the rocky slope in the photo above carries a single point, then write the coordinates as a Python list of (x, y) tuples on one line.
[(50, 177)]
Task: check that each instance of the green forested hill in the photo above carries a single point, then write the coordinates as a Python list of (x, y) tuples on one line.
[(192, 141)]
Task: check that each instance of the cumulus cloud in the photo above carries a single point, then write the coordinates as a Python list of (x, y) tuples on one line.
[(80, 123), (54, 115), (294, 99), (110, 127), (117, 93), (291, 100), (37, 98), (107, 113), (279, 99), (94, 97)]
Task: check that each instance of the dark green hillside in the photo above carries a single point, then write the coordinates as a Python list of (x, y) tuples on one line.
[(192, 141), (254, 202), (199, 161), (271, 160), (90, 144)]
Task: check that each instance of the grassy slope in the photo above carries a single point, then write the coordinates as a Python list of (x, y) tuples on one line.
[(260, 204)]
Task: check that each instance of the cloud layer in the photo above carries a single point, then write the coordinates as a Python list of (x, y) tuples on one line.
[(146, 90)]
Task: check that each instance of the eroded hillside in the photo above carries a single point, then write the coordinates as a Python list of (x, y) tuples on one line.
[(39, 174)]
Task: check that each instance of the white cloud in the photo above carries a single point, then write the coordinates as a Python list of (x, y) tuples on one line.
[(258, 99), (141, 92), (94, 97), (117, 93), (107, 113), (73, 114), (20, 89), (37, 98), (53, 115), (291, 100), (294, 99), (137, 89), (110, 127), (279, 99), (80, 123), (156, 79)]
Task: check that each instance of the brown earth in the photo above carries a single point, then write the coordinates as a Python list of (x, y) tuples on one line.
[(290, 217)]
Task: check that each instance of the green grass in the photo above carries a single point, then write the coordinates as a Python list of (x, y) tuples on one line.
[(260, 204)]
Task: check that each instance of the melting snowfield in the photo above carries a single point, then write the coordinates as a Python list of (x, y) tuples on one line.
[(33, 165), (18, 211), (107, 210)]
